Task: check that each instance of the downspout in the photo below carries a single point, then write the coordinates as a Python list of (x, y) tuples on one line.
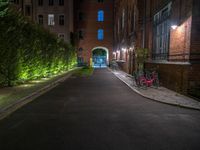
[(22, 4), (144, 26)]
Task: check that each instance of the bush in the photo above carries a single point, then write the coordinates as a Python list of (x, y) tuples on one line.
[(27, 51)]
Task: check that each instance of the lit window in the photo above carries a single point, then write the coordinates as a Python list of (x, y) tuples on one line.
[(100, 35), (40, 19), (61, 20), (51, 21), (100, 15)]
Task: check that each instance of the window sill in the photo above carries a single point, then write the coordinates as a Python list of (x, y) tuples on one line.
[(168, 62), (120, 61)]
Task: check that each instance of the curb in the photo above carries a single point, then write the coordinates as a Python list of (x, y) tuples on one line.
[(136, 91), (27, 99)]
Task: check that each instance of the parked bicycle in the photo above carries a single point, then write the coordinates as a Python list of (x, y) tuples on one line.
[(146, 79)]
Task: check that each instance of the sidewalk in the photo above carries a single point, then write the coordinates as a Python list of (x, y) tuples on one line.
[(160, 94)]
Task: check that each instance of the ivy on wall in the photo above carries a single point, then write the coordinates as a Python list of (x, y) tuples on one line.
[(27, 51)]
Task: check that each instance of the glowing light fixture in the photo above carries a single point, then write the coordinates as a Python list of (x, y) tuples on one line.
[(174, 27), (124, 49)]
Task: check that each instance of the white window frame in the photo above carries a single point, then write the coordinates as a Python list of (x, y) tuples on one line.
[(51, 19)]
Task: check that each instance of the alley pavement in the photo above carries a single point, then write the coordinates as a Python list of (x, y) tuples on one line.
[(99, 113)]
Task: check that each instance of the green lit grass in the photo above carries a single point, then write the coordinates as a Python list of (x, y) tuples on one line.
[(84, 72), (10, 95)]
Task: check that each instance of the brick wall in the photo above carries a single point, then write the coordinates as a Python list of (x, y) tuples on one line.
[(194, 80), (195, 38), (89, 25), (57, 10), (179, 49), (174, 77), (45, 9), (126, 24)]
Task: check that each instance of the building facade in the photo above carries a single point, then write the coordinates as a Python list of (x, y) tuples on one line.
[(54, 15), (126, 15), (169, 29), (94, 28)]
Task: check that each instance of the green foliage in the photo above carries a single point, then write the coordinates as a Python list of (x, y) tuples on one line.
[(141, 57), (27, 51)]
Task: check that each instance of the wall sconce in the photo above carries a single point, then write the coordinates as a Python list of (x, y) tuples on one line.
[(124, 49), (174, 27)]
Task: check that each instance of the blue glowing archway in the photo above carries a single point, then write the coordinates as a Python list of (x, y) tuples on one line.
[(100, 61)]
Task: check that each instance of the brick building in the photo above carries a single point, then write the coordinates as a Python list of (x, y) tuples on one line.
[(126, 15), (94, 28), (170, 31), (54, 15)]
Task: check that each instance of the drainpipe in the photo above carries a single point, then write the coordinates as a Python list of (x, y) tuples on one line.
[(144, 25)]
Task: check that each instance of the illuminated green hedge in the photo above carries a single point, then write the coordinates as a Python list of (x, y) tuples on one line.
[(27, 51)]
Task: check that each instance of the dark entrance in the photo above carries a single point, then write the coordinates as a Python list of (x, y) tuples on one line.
[(99, 58)]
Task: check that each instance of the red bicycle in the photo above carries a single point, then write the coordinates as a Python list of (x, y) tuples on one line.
[(146, 79)]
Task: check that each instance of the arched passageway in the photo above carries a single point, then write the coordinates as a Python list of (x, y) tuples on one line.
[(100, 57)]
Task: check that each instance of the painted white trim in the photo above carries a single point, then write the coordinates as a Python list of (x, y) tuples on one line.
[(168, 62)]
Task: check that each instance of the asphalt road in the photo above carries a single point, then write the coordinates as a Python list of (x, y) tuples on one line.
[(99, 113)]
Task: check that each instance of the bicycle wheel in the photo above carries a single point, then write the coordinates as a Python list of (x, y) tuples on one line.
[(156, 83), (142, 84)]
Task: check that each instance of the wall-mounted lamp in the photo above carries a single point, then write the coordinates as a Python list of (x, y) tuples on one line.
[(174, 27), (124, 49)]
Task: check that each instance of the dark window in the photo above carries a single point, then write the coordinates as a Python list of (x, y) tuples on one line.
[(80, 49), (100, 1), (14, 1), (61, 20), (80, 34), (27, 10), (80, 16), (40, 19), (161, 34), (61, 36), (51, 2), (133, 19), (80, 61), (40, 2), (61, 2)]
